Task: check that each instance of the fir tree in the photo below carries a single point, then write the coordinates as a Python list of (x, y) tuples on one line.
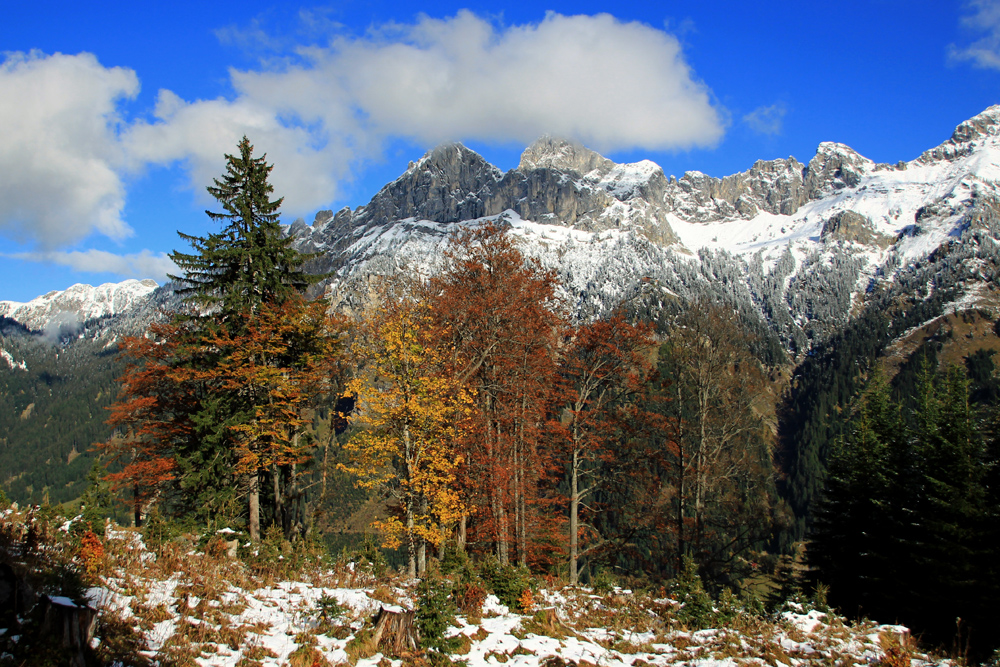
[(249, 262)]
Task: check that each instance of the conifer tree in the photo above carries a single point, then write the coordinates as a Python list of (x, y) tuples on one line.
[(249, 262), (215, 404)]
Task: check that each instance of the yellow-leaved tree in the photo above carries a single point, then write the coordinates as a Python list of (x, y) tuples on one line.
[(411, 409)]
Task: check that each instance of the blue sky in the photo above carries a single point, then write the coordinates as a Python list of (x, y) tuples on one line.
[(114, 117)]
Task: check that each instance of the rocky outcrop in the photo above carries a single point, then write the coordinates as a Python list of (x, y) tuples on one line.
[(835, 167), (771, 186), (564, 156), (963, 140), (854, 228)]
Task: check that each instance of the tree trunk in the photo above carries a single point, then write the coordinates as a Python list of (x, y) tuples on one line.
[(394, 632), (279, 502), (422, 544), (136, 507), (463, 531), (574, 509), (254, 500)]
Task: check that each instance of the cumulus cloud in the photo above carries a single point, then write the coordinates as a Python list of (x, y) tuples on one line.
[(321, 112), (143, 264), (610, 84), (60, 158), (985, 18), (767, 119)]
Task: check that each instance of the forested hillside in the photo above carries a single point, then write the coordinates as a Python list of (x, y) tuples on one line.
[(574, 399), (53, 405)]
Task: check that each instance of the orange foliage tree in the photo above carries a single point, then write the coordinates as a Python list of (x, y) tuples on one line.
[(263, 374), (500, 314), (276, 365)]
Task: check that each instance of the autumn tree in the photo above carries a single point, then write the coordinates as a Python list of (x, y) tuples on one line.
[(274, 366), (500, 312), (149, 418), (244, 359), (721, 449), (412, 409), (604, 364)]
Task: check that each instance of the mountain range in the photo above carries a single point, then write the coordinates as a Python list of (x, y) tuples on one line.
[(805, 254), (803, 244)]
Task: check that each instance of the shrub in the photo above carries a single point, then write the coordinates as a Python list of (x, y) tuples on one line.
[(470, 599), (603, 582), (696, 610), (435, 612), (508, 582)]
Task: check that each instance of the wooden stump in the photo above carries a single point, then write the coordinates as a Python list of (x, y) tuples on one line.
[(73, 623), (394, 631)]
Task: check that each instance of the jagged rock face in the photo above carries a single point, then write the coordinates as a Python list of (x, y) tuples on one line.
[(963, 140), (835, 167), (447, 185), (565, 156), (772, 186), (855, 228)]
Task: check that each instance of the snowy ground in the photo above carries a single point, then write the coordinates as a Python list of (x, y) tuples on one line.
[(197, 609)]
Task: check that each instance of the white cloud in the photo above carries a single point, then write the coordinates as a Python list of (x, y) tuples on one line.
[(610, 84), (985, 18), (144, 264), (767, 120), (60, 159)]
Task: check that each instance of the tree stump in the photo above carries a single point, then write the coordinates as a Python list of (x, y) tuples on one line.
[(73, 623), (394, 631)]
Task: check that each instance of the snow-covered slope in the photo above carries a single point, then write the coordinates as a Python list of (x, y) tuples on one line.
[(78, 304), (800, 245)]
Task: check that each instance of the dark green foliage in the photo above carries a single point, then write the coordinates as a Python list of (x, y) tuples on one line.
[(329, 608), (908, 524), (435, 612), (99, 502), (696, 611), (456, 561), (250, 261), (51, 414), (828, 379), (507, 582)]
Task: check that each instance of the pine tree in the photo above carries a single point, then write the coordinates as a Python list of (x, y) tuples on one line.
[(215, 404), (858, 525), (249, 262)]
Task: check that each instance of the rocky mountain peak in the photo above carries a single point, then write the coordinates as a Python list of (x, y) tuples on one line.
[(985, 124), (835, 167), (78, 304), (965, 137), (563, 155)]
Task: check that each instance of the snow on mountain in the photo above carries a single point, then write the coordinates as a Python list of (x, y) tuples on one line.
[(610, 229), (799, 245), (14, 365), (78, 304)]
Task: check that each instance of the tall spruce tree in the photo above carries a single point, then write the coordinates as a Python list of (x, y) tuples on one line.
[(242, 365), (249, 262), (907, 528)]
